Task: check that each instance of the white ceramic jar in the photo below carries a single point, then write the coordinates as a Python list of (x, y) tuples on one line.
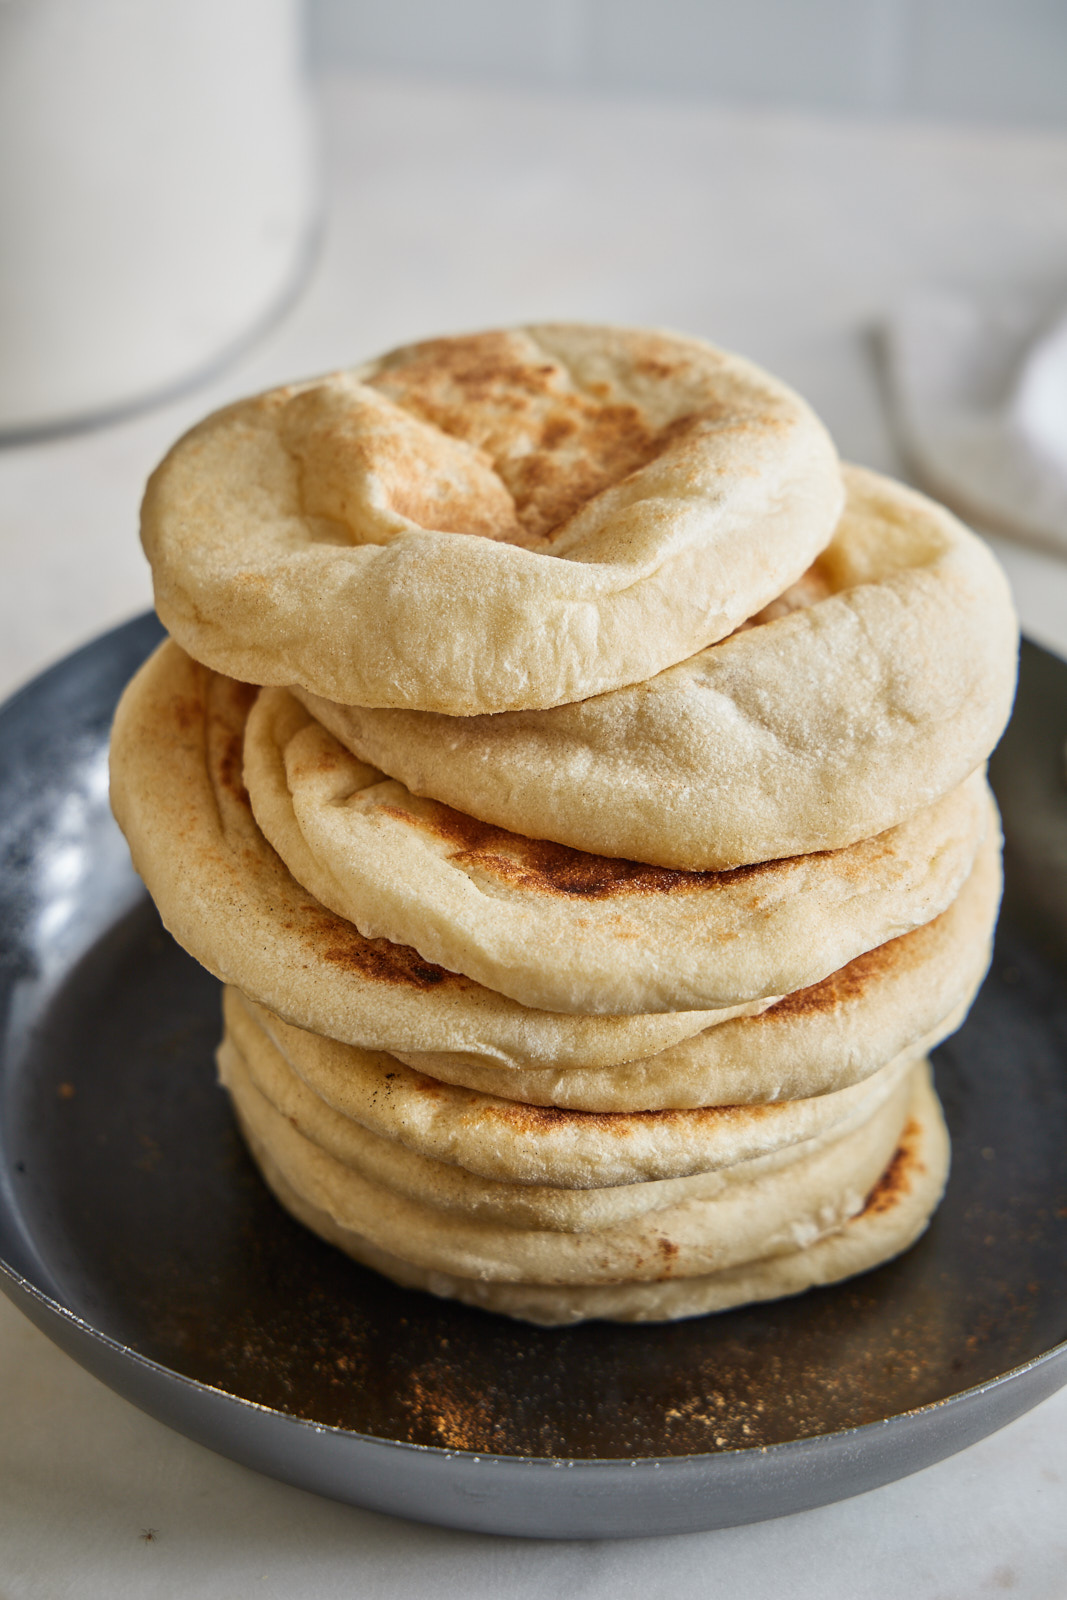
[(156, 194)]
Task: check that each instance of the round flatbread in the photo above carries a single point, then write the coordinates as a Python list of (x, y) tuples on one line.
[(348, 1100), (227, 897), (906, 995), (559, 929), (485, 523), (453, 1188), (875, 688), (896, 1211), (780, 1212)]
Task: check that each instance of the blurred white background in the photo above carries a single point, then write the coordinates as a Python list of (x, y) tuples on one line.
[(1002, 60)]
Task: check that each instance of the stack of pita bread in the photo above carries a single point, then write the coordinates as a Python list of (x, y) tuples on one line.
[(577, 779)]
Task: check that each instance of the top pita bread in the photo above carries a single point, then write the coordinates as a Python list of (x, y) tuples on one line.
[(635, 495), (879, 686)]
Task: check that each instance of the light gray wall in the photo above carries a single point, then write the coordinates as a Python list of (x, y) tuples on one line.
[(1004, 60)]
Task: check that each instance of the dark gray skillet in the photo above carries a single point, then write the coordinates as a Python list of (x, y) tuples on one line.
[(135, 1232)]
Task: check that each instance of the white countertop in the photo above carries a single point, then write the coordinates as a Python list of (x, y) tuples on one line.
[(781, 235)]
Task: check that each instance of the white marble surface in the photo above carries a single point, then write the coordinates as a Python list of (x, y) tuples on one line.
[(784, 236)]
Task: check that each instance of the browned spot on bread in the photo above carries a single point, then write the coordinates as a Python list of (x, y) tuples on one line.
[(433, 1087), (653, 367), (619, 1124), (541, 865), (338, 942), (528, 1119), (606, 445), (327, 758), (224, 713), (552, 446), (846, 986), (186, 712), (229, 767), (557, 431), (380, 961), (420, 472), (896, 1179), (433, 482), (235, 697), (549, 870)]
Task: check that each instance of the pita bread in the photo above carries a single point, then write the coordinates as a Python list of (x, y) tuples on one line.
[(895, 1213), (228, 898), (454, 1188), (562, 930), (632, 496), (906, 995), (781, 1212), (349, 1101), (873, 691)]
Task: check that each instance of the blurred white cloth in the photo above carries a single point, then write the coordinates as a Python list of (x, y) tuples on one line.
[(979, 388)]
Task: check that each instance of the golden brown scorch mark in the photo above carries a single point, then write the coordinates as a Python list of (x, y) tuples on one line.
[(552, 446), (548, 868), (850, 983), (896, 1179), (531, 1119)]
